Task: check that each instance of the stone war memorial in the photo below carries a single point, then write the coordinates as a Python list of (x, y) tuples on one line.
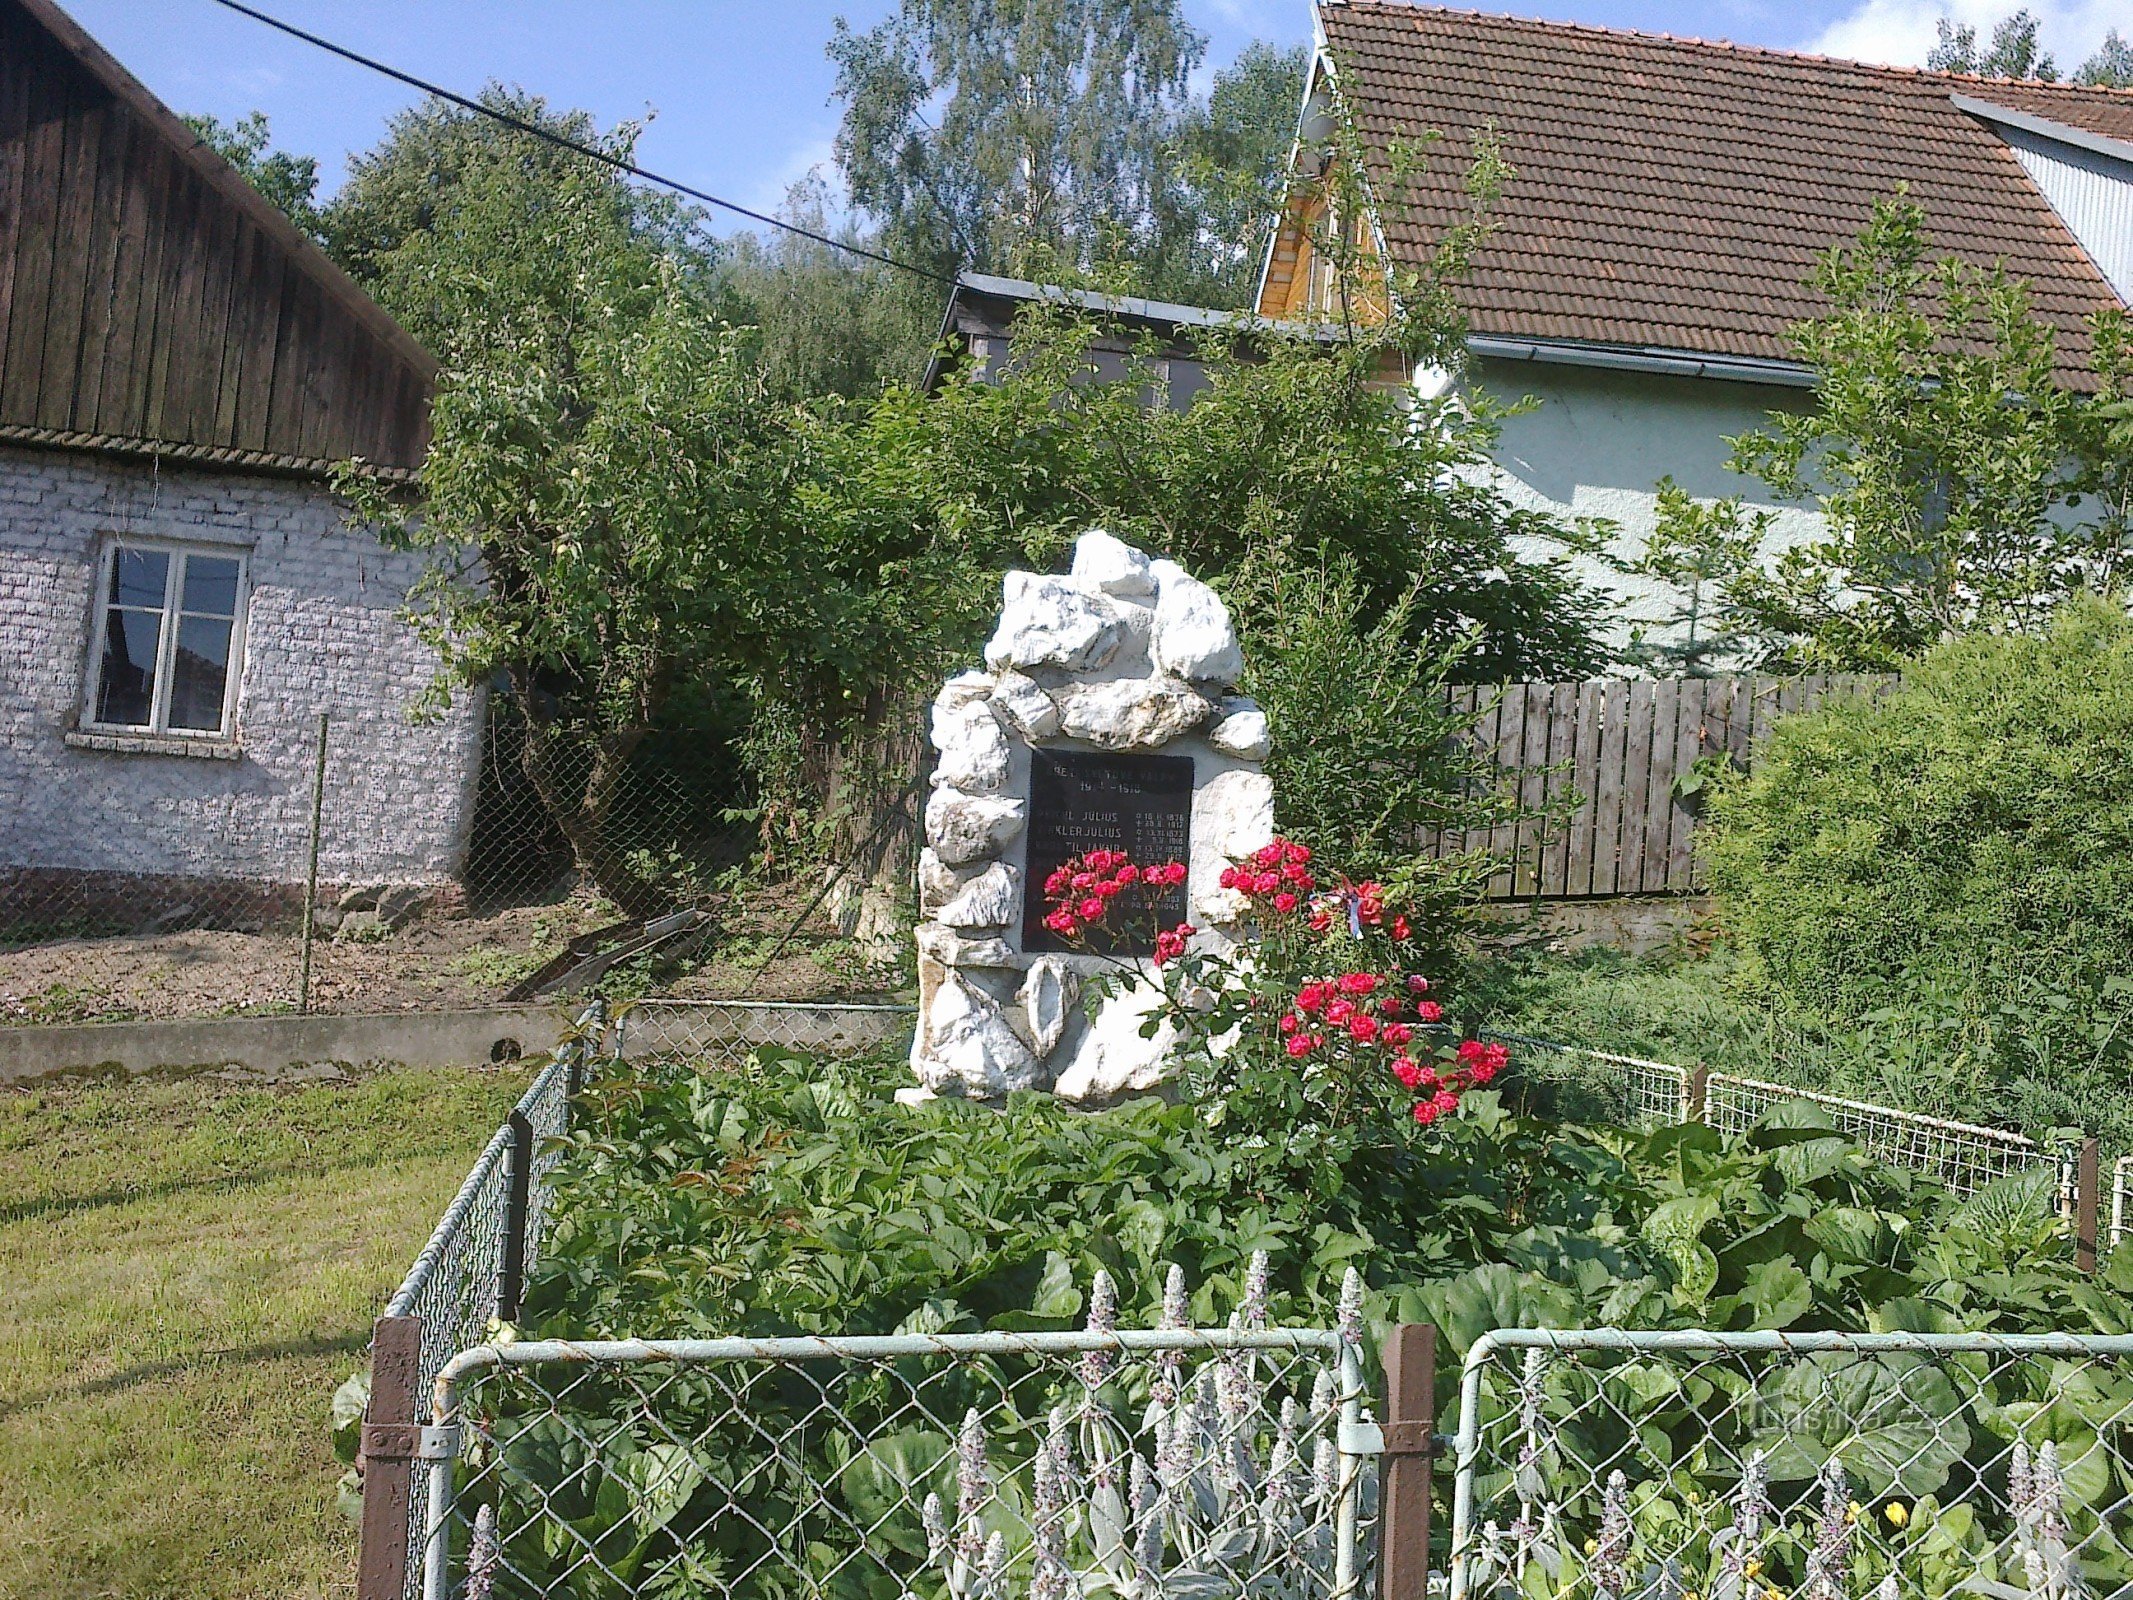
[(1105, 718)]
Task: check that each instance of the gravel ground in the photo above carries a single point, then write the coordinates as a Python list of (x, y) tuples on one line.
[(435, 963)]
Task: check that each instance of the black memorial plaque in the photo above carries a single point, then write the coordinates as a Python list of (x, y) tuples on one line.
[(1081, 801)]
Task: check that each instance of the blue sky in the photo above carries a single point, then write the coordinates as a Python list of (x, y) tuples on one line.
[(741, 87)]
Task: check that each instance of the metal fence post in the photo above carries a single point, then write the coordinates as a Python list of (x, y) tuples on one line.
[(518, 1198), (390, 1437), (1410, 1359), (1695, 1093), (2088, 1206), (318, 812)]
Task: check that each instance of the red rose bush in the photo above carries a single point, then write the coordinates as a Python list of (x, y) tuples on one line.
[(1318, 1018)]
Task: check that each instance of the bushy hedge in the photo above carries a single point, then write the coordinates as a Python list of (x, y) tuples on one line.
[(1956, 858)]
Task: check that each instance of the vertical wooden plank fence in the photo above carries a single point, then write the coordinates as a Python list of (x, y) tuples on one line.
[(1617, 748)]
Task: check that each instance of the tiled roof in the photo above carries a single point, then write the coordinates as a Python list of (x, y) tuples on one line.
[(1674, 194)]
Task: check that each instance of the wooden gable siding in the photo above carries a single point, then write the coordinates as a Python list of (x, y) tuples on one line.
[(149, 297)]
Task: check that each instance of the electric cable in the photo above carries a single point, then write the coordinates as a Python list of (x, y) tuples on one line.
[(589, 151)]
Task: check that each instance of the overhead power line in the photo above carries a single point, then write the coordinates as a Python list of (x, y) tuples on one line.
[(590, 152)]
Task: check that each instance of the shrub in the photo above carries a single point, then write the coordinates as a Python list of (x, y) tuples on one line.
[(1958, 853)]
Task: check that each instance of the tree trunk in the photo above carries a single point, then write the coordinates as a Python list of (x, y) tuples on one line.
[(581, 812), (874, 769)]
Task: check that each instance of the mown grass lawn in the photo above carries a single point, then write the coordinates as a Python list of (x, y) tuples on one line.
[(189, 1268)]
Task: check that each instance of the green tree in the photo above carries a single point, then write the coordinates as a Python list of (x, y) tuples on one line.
[(2013, 52), (603, 500), (1962, 483), (1228, 169), (2111, 67), (1013, 138), (289, 181), (1703, 551), (397, 215), (828, 322)]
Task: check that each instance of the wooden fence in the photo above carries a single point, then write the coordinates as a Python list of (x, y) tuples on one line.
[(1622, 746)]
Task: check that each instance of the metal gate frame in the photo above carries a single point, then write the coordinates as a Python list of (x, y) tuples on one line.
[(1358, 1440)]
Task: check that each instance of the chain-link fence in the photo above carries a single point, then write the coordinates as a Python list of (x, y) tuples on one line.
[(1825, 1466), (1635, 1092), (726, 1032), (471, 1274), (1188, 1462), (287, 880)]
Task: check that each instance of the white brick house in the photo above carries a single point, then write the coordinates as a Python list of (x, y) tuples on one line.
[(181, 596)]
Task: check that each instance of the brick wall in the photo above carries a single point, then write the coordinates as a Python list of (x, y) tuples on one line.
[(323, 633)]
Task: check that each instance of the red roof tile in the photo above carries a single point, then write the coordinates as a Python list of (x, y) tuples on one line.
[(1675, 194)]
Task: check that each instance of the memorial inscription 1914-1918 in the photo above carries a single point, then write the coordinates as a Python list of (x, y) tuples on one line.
[(1081, 801)]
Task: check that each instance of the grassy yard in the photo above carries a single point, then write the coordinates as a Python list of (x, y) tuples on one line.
[(190, 1268)]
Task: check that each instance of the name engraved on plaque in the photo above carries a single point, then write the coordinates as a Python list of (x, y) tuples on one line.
[(1081, 801)]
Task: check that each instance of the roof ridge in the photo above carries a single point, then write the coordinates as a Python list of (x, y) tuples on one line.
[(1562, 25)]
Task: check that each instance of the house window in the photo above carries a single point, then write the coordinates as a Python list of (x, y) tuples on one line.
[(172, 627)]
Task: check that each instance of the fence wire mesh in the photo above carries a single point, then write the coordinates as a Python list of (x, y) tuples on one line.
[(1189, 1462), (1823, 1466), (446, 902), (1599, 1084), (1962, 1155), (725, 1032), (1636, 1092)]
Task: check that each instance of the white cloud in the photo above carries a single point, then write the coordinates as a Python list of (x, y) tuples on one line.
[(818, 150), (1901, 32)]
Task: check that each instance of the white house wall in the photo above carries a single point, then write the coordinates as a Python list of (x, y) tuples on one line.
[(1598, 444), (323, 633), (2093, 194)]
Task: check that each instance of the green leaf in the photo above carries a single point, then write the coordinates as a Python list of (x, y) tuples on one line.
[(1895, 1421)]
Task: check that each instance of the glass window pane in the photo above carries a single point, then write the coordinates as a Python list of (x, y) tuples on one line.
[(126, 685), (198, 674), (139, 577), (210, 586)]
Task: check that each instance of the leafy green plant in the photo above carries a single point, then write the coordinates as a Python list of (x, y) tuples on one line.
[(1952, 865)]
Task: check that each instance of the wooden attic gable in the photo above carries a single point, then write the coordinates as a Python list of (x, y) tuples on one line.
[(152, 303)]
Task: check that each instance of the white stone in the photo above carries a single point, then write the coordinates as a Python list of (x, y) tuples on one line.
[(1232, 815), (1242, 732), (973, 748), (990, 900), (968, 1048), (965, 827), (1112, 565), (1052, 622), (963, 689), (1193, 635), (1018, 698), (1047, 999), (1133, 713), (938, 882), (951, 949), (1111, 1057)]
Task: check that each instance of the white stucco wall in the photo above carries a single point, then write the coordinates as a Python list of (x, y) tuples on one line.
[(323, 632), (1599, 442)]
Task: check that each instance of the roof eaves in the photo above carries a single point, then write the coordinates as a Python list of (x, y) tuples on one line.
[(1644, 358), (1132, 306), (2045, 128), (221, 457)]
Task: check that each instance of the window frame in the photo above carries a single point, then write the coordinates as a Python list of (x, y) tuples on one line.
[(169, 619)]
